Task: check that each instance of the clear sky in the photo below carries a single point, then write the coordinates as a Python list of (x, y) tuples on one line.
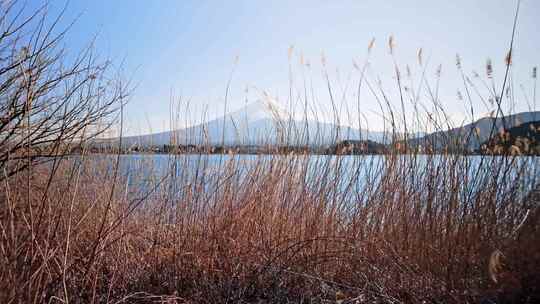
[(188, 48)]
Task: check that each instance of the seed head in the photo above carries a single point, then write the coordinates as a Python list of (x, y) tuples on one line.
[(439, 70), (489, 68), (508, 58), (391, 44), (290, 51), (370, 45)]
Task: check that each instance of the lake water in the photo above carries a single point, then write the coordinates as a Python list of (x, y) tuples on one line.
[(352, 173)]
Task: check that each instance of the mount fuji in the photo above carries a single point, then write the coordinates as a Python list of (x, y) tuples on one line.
[(263, 122)]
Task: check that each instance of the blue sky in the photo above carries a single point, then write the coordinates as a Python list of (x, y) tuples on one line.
[(188, 48)]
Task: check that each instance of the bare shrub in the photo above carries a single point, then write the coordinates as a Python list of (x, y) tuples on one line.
[(49, 98)]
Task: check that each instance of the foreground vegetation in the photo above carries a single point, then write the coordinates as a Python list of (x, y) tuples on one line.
[(283, 228)]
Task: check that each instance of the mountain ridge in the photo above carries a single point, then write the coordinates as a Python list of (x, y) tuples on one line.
[(258, 123), (472, 135)]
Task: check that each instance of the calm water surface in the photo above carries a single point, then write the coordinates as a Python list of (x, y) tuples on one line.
[(145, 170)]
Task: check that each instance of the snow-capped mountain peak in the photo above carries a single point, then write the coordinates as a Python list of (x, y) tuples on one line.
[(258, 123), (260, 109)]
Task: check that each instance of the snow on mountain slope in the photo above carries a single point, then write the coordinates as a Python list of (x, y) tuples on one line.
[(260, 122)]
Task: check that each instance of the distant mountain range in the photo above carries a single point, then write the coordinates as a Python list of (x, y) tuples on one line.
[(258, 123), (265, 122), (471, 136)]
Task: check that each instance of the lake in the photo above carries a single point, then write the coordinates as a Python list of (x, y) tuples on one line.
[(344, 175)]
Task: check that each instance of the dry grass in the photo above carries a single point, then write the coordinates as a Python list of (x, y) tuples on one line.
[(287, 229)]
